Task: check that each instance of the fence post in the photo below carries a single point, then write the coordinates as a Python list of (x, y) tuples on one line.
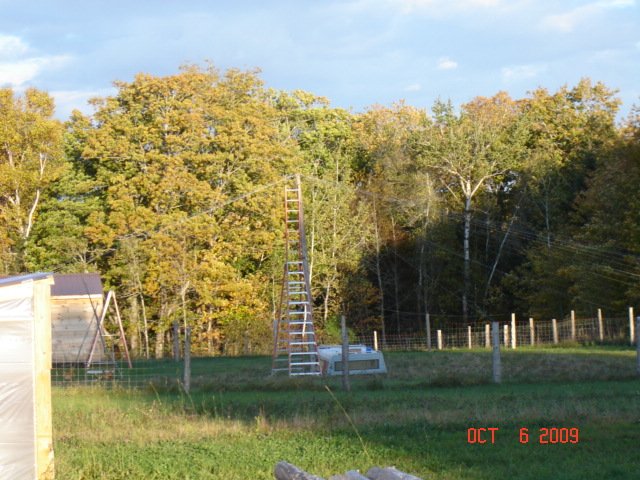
[(632, 333), (513, 330), (532, 332), (439, 339), (187, 360), (573, 325), (487, 336), (554, 325), (345, 354), (638, 347), (176, 341), (427, 328), (600, 325), (375, 340), (497, 372), (505, 329)]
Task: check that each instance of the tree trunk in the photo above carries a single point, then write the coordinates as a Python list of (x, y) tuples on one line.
[(146, 327), (396, 289), (160, 343), (467, 261), (209, 337), (379, 275), (135, 323)]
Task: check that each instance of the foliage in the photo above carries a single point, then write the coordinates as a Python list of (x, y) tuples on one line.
[(172, 190), (30, 160)]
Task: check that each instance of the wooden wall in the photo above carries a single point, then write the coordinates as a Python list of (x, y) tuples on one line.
[(73, 328)]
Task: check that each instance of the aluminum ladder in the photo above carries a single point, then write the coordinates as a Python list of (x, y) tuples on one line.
[(295, 349)]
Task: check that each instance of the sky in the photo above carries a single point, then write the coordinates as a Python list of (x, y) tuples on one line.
[(357, 53)]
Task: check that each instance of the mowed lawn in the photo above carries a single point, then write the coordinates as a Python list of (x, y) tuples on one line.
[(238, 422)]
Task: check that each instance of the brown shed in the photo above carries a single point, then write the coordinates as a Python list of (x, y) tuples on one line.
[(76, 305)]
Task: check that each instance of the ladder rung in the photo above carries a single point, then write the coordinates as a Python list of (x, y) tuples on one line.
[(300, 374), (293, 282), (295, 262), (298, 364), (295, 273), (302, 333), (302, 343), (300, 323), (304, 353)]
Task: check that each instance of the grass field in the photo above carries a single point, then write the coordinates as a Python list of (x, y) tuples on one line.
[(238, 422)]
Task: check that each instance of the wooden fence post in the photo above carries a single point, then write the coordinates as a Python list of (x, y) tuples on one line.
[(497, 372), (532, 332), (632, 333), (345, 354), (505, 329), (638, 347), (469, 335), (573, 325), (375, 340), (554, 326), (600, 325), (427, 328), (187, 360), (176, 341), (513, 330), (439, 339), (487, 335)]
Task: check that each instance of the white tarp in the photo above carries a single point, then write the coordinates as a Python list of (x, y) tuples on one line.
[(17, 424)]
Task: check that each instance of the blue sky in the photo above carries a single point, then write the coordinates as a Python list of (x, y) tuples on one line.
[(355, 52)]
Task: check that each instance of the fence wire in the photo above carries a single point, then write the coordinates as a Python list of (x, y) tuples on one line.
[(167, 373)]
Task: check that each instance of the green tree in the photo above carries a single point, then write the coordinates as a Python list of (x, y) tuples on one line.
[(474, 152), (179, 160), (30, 159)]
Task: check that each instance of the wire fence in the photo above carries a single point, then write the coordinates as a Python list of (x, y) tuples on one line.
[(168, 373), (616, 330)]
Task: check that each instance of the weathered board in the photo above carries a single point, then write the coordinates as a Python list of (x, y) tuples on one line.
[(74, 325)]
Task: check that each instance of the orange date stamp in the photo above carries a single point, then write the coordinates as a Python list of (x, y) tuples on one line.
[(541, 436)]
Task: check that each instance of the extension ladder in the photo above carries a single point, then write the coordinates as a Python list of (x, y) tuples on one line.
[(295, 349)]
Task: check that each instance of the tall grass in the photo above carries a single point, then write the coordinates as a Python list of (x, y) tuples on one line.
[(238, 422)]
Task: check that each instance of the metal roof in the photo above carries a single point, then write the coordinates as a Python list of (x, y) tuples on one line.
[(67, 284), (24, 278)]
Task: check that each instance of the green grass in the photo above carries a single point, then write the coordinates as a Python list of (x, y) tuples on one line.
[(239, 422)]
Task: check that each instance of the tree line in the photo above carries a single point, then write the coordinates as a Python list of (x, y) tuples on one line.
[(172, 190)]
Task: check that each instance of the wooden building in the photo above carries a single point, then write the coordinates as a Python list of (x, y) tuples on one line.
[(76, 304)]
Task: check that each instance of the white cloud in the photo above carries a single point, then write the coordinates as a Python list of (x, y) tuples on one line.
[(445, 63), (567, 21), (69, 100), (12, 46), (521, 72), (414, 87), (17, 69), (19, 72), (438, 6)]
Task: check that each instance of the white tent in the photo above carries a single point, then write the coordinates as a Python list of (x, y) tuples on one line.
[(26, 449)]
